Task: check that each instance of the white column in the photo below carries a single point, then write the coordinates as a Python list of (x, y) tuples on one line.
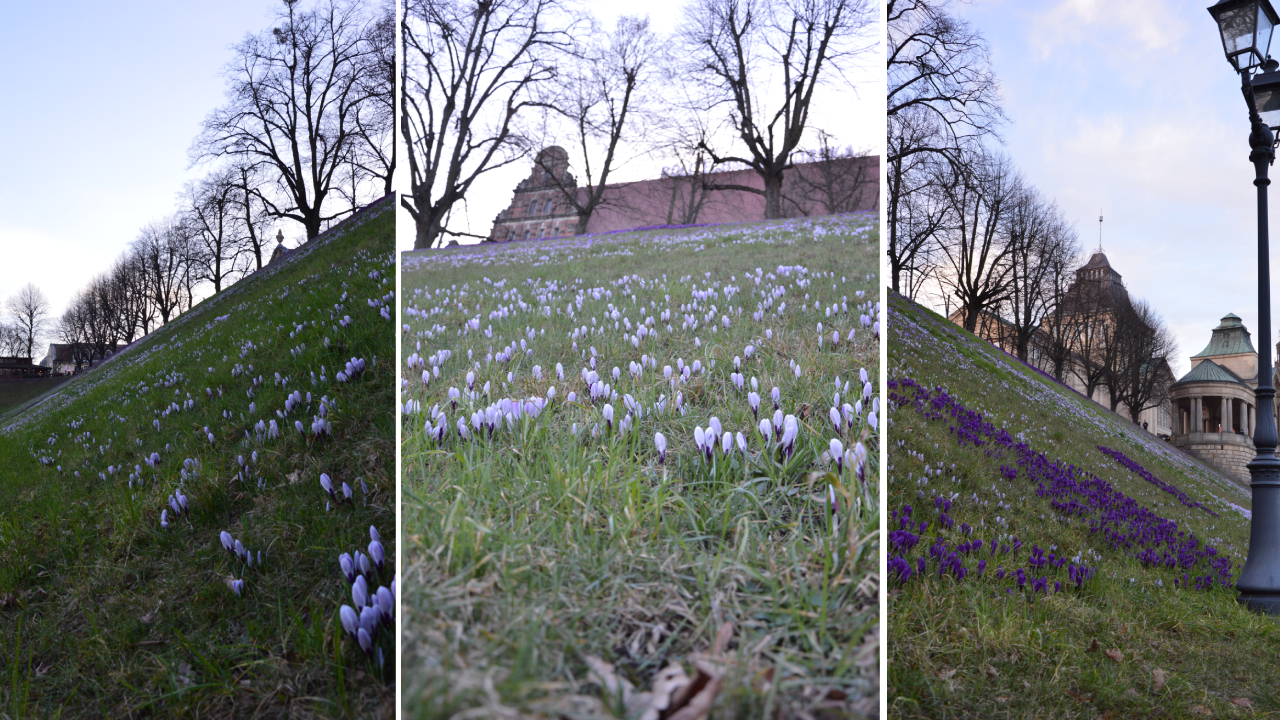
[(1226, 414)]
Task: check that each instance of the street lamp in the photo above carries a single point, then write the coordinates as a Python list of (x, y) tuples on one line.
[(1246, 27)]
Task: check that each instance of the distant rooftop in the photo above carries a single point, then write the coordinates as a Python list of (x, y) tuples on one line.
[(1229, 338), (1210, 371)]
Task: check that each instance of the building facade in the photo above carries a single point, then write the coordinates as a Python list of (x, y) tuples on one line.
[(540, 206), (1214, 405)]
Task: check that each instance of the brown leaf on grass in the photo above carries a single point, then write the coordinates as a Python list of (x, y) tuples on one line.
[(148, 618), (1077, 696), (698, 704), (1094, 647), (1201, 710), (992, 671), (723, 637), (1242, 702), (946, 673), (293, 476), (1159, 676), (1117, 655)]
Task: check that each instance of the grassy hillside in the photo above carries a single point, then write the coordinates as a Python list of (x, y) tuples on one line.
[(16, 390), (105, 611), (558, 562), (1109, 591)]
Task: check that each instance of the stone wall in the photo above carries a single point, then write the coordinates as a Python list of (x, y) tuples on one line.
[(1227, 452)]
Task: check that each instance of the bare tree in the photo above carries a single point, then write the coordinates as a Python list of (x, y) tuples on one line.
[(292, 106), (160, 247), (1040, 241), (30, 310), (975, 251), (469, 72), (1057, 326), (914, 210), (599, 93), (939, 67), (210, 208), (375, 154), (1140, 376), (834, 180), (736, 45)]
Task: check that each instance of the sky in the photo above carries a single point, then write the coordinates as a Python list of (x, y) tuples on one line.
[(852, 110), (1130, 110), (101, 104)]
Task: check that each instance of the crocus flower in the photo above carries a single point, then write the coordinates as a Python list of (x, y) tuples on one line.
[(377, 553), (228, 543), (350, 620), (326, 483), (837, 454), (237, 586), (360, 592), (348, 567), (660, 441)]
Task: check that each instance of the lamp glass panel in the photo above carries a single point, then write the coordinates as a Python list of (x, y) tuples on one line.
[(1264, 33), (1266, 98), (1238, 25)]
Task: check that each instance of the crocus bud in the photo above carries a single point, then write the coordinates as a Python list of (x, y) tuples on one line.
[(227, 542), (373, 534), (239, 550), (360, 592), (387, 604), (350, 621), (660, 441), (837, 453), (377, 553), (237, 586), (365, 639), (326, 483), (766, 428), (348, 567)]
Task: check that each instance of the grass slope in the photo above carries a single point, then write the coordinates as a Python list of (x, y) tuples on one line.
[(15, 390), (1135, 640), (559, 539), (105, 614)]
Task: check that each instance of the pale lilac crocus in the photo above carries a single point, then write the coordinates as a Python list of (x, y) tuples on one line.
[(227, 542), (348, 567), (350, 620), (360, 592), (837, 454), (327, 484), (376, 553), (660, 441), (753, 399)]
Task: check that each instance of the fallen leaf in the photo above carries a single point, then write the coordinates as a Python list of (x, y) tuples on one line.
[(1076, 696), (601, 673), (722, 639), (1201, 710), (148, 618), (992, 671), (706, 685), (947, 673), (1116, 655), (1242, 702), (1159, 677), (1093, 647), (293, 477)]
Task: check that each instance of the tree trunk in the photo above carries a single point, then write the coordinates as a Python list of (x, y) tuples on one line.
[(772, 195)]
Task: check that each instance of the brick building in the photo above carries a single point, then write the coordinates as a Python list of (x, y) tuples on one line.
[(539, 207)]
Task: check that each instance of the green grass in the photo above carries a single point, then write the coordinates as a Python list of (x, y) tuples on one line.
[(533, 550), (969, 649), (105, 614), (15, 390)]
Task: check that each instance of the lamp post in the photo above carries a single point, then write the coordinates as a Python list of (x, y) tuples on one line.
[(1246, 27)]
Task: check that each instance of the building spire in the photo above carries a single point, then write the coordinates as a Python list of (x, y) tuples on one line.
[(1099, 229)]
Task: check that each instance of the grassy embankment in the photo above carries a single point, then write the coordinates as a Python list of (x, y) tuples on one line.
[(558, 538), (16, 390), (1135, 640), (104, 613)]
